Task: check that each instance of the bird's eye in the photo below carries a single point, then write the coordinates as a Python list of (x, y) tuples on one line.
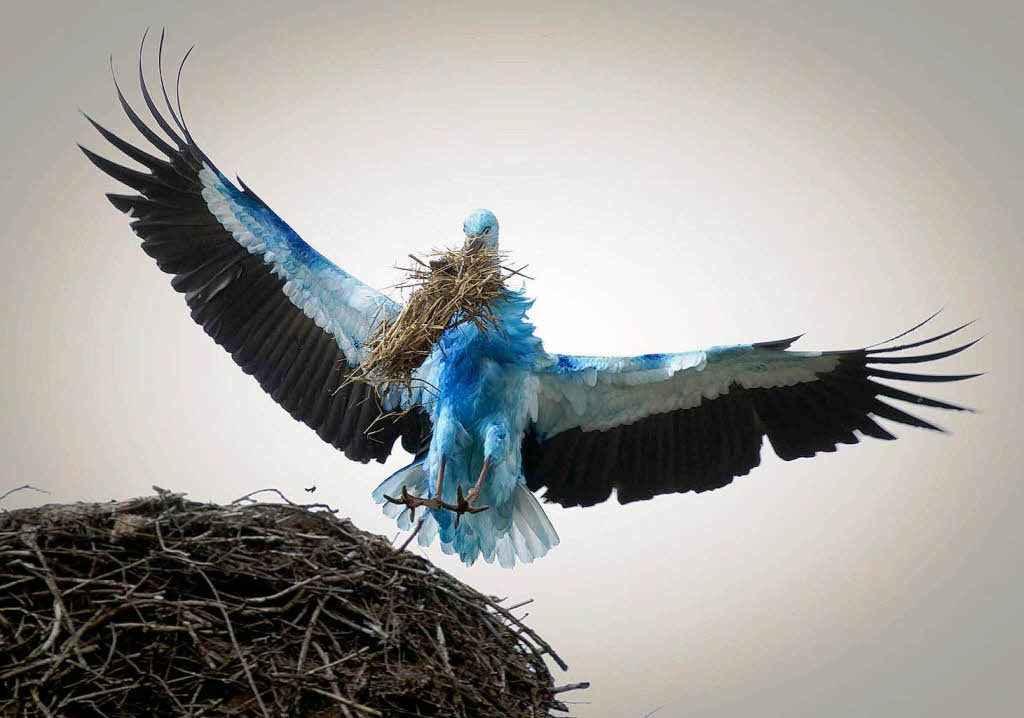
[(487, 230)]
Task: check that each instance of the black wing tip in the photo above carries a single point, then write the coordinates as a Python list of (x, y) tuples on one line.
[(908, 397), (778, 343), (96, 125), (910, 376), (181, 146), (96, 158), (122, 203), (922, 358), (908, 331), (922, 342), (889, 436), (884, 410), (944, 405), (163, 84), (177, 94), (148, 98)]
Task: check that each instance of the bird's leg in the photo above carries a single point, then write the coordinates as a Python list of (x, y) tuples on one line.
[(463, 504), (474, 493), (433, 502), (440, 478)]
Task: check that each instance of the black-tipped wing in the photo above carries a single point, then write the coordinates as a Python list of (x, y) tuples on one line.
[(671, 423), (287, 315)]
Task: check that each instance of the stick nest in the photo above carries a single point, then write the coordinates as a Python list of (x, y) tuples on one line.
[(449, 288), (162, 606)]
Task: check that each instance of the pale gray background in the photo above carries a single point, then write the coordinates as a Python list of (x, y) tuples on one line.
[(676, 175)]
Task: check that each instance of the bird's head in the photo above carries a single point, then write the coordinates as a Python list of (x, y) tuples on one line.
[(481, 228)]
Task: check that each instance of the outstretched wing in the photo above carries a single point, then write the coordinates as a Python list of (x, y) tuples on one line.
[(287, 315), (666, 423)]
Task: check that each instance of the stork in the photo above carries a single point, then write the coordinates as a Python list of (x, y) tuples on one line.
[(506, 418)]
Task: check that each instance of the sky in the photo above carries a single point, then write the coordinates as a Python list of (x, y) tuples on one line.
[(676, 175)]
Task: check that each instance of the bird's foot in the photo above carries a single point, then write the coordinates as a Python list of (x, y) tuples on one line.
[(464, 505), (412, 502)]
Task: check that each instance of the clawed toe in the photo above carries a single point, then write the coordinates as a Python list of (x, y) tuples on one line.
[(411, 502), (463, 503)]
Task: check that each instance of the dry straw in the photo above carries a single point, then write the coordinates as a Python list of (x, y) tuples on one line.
[(449, 288), (162, 606)]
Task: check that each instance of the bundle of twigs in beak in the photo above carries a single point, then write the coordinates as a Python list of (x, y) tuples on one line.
[(449, 288)]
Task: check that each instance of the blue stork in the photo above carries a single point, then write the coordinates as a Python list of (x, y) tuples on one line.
[(505, 418)]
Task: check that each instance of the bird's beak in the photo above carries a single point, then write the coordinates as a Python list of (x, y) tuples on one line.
[(474, 242)]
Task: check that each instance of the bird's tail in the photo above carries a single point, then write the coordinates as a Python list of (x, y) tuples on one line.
[(531, 534), (493, 534)]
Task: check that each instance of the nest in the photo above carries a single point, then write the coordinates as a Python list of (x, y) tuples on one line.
[(452, 287), (162, 606)]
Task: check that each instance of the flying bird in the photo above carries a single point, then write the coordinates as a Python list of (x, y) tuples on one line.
[(504, 418)]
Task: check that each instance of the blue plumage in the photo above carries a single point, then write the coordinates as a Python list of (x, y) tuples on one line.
[(477, 412), (503, 418)]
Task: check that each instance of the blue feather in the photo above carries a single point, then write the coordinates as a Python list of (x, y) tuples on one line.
[(478, 412)]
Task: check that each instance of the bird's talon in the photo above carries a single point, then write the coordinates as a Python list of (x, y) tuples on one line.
[(413, 502), (463, 503)]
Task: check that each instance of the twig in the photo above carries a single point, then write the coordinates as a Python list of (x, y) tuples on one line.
[(284, 592), (60, 614), (442, 648), (29, 667), (23, 487), (284, 498), (347, 702), (328, 666), (309, 635), (234, 642), (39, 703), (571, 687), (419, 525)]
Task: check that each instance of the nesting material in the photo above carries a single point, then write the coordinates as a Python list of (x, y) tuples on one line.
[(162, 606), (449, 288)]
